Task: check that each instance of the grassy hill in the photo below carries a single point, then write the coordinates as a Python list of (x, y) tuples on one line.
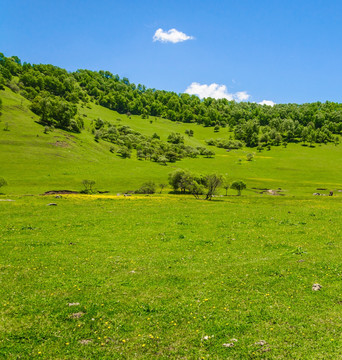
[(35, 162), (166, 276)]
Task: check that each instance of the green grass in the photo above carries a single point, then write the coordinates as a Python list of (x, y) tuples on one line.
[(32, 162), (164, 276), (154, 275)]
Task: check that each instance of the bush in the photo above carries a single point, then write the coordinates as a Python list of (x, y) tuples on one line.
[(124, 152), (148, 187), (249, 157), (175, 138)]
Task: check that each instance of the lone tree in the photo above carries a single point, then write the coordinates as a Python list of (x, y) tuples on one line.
[(88, 186), (239, 186)]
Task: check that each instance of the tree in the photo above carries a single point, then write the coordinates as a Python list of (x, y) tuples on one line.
[(88, 186), (162, 186), (148, 187), (124, 152), (208, 153), (161, 159), (212, 182), (239, 186), (175, 138), (226, 186), (189, 132), (180, 179), (196, 189)]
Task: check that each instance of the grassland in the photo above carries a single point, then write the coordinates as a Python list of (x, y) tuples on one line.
[(33, 162), (164, 276), (155, 276)]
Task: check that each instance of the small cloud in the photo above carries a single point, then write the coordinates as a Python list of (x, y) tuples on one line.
[(215, 91), (242, 96), (267, 102), (173, 36)]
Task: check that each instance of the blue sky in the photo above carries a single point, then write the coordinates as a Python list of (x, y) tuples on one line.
[(281, 51)]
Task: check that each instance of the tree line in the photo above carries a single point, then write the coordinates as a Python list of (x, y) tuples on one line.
[(147, 147)]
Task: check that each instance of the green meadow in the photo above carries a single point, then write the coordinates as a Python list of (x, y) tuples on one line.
[(164, 276), (33, 162), (170, 277)]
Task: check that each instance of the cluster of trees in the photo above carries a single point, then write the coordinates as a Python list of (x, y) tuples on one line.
[(147, 147), (54, 93), (225, 143), (282, 131), (185, 182)]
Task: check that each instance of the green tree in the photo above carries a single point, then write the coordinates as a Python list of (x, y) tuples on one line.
[(180, 179), (175, 138), (124, 152), (239, 186), (148, 187), (162, 186), (161, 159), (88, 186), (212, 182), (226, 186), (196, 189)]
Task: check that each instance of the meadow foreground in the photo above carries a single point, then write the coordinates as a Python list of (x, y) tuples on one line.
[(170, 277)]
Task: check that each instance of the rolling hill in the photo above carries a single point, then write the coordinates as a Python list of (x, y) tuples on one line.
[(33, 162)]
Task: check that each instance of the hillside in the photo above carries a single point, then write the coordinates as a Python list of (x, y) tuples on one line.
[(165, 276), (33, 162)]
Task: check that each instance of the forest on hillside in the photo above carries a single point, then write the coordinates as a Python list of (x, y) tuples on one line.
[(55, 93)]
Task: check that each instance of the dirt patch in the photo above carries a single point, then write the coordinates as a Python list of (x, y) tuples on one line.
[(276, 192), (77, 315), (54, 192), (86, 341)]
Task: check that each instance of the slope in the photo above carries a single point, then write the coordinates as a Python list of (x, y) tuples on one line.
[(33, 162)]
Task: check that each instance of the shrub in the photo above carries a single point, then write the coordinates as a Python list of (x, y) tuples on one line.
[(148, 187), (249, 157)]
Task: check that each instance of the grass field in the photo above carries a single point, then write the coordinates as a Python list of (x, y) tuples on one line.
[(170, 277), (33, 162), (164, 276)]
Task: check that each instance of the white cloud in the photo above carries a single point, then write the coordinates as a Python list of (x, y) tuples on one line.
[(242, 96), (172, 35), (215, 91), (267, 102)]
